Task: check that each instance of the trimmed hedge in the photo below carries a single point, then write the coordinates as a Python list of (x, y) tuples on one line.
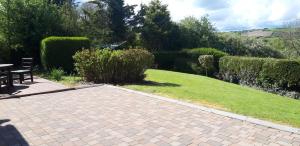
[(166, 59), (268, 73), (186, 60), (57, 52), (108, 66), (195, 53)]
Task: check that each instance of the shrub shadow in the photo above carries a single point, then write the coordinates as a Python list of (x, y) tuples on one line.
[(9, 135)]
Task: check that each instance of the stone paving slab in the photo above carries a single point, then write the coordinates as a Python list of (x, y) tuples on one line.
[(107, 116), (39, 85)]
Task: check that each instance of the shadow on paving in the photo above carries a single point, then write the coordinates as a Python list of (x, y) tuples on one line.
[(9, 135), (17, 89)]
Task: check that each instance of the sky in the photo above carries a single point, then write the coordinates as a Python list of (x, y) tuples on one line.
[(229, 15)]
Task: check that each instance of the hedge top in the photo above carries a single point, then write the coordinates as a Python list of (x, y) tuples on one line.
[(58, 38), (196, 52)]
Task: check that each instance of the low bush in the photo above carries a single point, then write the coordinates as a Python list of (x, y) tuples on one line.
[(57, 52), (275, 74), (107, 66), (207, 62), (56, 74)]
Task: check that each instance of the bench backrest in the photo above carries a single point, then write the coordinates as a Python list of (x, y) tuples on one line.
[(27, 63)]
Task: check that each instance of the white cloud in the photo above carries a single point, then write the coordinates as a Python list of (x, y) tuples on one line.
[(234, 14)]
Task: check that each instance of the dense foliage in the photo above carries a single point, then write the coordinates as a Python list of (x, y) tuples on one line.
[(57, 52), (271, 74), (235, 44), (24, 23), (107, 66), (186, 60), (197, 33)]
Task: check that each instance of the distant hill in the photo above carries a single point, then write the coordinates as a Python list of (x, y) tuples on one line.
[(257, 33)]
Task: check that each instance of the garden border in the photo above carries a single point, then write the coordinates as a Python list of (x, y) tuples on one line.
[(214, 111)]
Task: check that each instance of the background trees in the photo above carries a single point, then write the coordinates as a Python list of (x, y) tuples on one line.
[(24, 23), (197, 33), (157, 26)]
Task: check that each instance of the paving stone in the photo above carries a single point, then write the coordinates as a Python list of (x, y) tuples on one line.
[(106, 116)]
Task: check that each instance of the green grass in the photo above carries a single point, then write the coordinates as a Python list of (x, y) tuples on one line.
[(67, 80), (222, 95)]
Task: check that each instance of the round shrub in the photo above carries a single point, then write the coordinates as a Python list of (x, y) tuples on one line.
[(207, 62), (57, 52), (108, 66)]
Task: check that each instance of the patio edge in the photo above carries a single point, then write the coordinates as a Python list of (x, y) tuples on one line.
[(218, 112)]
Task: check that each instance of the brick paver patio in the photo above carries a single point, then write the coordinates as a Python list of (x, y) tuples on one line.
[(109, 116), (39, 85)]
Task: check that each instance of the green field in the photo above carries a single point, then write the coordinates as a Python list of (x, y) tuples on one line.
[(222, 95)]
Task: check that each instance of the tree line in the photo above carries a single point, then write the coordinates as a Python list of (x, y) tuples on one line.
[(24, 23)]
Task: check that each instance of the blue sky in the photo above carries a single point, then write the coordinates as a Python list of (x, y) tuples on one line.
[(234, 14)]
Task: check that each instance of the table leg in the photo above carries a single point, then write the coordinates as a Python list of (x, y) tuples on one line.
[(10, 78)]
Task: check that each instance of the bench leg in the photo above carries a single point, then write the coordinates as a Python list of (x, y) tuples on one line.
[(31, 76), (21, 78)]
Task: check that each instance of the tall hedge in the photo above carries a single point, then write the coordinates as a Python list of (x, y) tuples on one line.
[(263, 72), (57, 52)]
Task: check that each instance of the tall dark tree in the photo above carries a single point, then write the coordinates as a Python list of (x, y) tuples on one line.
[(157, 26), (116, 16), (109, 21), (95, 22)]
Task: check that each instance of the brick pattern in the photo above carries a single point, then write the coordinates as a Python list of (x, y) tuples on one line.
[(39, 85), (105, 116)]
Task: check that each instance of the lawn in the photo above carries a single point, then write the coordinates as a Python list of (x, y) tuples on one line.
[(222, 95), (67, 80)]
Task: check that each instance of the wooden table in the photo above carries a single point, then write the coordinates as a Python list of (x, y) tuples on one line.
[(7, 67)]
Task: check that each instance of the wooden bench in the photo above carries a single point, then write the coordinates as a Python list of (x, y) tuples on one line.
[(26, 69)]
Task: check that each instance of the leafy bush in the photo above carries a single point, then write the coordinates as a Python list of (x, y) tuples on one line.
[(56, 74), (57, 52), (107, 66), (268, 73), (207, 62)]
